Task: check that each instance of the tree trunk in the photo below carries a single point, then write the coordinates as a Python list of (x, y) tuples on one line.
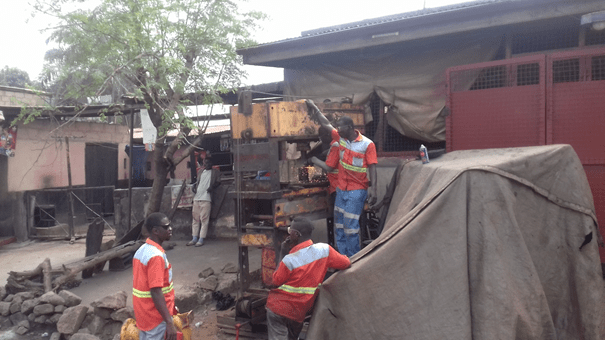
[(159, 179)]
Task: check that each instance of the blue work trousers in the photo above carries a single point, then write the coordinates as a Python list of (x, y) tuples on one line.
[(347, 209)]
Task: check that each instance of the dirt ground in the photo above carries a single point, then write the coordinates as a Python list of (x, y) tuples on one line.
[(187, 263)]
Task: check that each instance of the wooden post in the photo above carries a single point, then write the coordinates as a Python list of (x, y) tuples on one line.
[(130, 169), (72, 235)]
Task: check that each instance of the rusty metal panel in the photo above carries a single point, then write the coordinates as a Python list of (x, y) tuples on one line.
[(251, 126), (355, 112), (305, 192), (256, 240), (288, 208), (268, 265), (253, 157), (291, 119)]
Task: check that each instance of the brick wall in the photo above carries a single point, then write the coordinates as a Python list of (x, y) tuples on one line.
[(15, 97)]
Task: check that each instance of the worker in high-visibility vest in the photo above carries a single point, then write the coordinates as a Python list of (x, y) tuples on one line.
[(297, 278), (152, 287), (355, 160)]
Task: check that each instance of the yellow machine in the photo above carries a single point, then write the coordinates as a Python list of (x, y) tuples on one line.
[(274, 184)]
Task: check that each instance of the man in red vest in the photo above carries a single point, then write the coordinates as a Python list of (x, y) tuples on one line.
[(152, 287), (355, 160), (297, 276)]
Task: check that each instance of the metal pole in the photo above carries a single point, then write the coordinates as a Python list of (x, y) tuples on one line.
[(72, 237), (130, 168)]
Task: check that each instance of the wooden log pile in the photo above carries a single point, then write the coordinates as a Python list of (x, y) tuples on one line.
[(44, 278)]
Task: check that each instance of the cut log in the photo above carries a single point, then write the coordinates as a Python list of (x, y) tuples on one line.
[(47, 275), (28, 274), (89, 262)]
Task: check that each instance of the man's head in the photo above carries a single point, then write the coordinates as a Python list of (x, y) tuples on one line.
[(207, 163), (346, 128), (300, 230), (159, 227), (325, 135)]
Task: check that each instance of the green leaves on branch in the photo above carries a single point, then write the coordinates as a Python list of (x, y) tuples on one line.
[(158, 50)]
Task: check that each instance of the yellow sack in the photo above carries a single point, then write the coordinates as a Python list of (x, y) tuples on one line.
[(182, 322)]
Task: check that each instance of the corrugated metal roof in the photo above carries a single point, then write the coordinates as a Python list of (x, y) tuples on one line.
[(398, 17), (387, 19), (138, 132)]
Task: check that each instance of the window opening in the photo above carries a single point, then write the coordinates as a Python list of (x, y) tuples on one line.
[(598, 68), (489, 78), (528, 74), (565, 71)]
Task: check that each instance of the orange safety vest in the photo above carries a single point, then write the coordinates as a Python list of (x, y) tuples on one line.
[(352, 161), (151, 269)]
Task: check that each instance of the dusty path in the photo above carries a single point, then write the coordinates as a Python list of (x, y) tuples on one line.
[(187, 263)]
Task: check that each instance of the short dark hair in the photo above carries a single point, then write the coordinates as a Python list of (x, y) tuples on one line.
[(345, 120), (303, 225), (154, 220)]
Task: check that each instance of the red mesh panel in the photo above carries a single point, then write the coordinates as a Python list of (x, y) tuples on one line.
[(497, 104)]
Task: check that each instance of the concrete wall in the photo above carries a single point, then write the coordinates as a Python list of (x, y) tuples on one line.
[(40, 160), (223, 226)]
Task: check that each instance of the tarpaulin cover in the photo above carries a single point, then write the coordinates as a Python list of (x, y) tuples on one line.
[(411, 80), (478, 244)]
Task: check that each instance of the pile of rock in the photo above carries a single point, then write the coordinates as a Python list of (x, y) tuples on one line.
[(101, 321)]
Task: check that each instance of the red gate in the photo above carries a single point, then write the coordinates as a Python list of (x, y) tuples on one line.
[(576, 114), (496, 104), (534, 100)]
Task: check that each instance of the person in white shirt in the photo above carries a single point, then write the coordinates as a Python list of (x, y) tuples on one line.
[(207, 181)]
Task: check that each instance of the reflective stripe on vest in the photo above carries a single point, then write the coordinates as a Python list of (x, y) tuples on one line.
[(147, 294), (306, 255), (353, 168), (358, 146), (299, 290)]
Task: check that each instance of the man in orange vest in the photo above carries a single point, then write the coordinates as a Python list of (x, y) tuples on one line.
[(152, 287), (355, 159), (297, 276)]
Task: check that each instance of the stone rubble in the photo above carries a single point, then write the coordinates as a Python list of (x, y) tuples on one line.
[(102, 320), (24, 311)]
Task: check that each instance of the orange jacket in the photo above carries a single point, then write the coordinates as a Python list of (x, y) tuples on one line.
[(151, 269), (299, 275)]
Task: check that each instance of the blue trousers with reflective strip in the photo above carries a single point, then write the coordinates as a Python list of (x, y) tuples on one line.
[(347, 209)]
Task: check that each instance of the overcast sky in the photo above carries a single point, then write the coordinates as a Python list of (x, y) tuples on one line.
[(23, 46)]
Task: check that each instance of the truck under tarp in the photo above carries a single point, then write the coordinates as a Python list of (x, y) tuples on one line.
[(478, 244)]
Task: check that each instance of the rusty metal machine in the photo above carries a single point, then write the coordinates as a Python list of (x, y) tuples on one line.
[(273, 184)]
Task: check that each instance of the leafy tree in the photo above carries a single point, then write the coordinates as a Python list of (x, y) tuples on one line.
[(12, 76), (158, 50)]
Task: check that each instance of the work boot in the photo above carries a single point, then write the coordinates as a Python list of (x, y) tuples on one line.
[(200, 242), (192, 242)]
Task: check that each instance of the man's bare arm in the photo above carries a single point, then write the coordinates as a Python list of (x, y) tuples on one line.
[(160, 304), (321, 164), (316, 114), (372, 190)]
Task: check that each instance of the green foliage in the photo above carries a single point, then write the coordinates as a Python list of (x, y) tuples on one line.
[(12, 76), (157, 50)]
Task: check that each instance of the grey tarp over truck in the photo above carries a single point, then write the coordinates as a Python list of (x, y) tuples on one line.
[(478, 244)]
